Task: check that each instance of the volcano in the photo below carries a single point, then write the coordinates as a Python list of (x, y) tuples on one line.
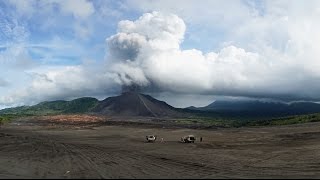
[(135, 104)]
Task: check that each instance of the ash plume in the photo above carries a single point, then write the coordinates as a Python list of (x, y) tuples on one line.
[(147, 51), (131, 88)]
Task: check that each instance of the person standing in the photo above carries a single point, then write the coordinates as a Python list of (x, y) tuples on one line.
[(200, 139)]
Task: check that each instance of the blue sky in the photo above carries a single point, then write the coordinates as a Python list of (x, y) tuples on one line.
[(55, 49), (43, 30)]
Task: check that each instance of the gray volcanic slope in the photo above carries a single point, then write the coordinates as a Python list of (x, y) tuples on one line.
[(135, 104)]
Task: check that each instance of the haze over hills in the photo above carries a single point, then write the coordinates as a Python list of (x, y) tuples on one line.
[(259, 108)]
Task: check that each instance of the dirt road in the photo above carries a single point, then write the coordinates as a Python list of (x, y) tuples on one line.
[(31, 151)]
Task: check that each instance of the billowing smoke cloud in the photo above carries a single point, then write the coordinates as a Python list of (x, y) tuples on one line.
[(147, 51), (136, 41)]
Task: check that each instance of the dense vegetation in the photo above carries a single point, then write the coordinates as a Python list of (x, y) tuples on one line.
[(235, 121), (203, 118), (285, 120), (81, 105), (7, 117), (77, 106), (258, 109)]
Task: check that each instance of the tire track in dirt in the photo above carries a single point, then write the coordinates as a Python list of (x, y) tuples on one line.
[(51, 158), (136, 164), (120, 152), (79, 164)]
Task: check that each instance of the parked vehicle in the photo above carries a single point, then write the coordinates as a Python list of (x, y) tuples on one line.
[(151, 138), (188, 139)]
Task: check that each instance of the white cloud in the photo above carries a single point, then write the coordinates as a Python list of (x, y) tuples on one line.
[(3, 82), (62, 83), (16, 56), (53, 12), (24, 7), (208, 12), (79, 8), (267, 49), (151, 44), (161, 31)]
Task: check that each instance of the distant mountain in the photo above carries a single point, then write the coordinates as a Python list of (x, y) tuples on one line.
[(81, 105), (259, 108), (135, 104), (127, 104)]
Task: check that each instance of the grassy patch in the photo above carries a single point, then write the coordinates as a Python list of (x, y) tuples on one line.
[(5, 118), (298, 119), (242, 122)]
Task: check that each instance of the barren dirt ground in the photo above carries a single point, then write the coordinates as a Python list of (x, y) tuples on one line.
[(32, 151)]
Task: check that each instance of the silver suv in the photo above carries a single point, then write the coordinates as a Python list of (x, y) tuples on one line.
[(188, 139), (151, 138)]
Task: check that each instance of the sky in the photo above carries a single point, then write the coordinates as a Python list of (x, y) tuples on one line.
[(186, 52)]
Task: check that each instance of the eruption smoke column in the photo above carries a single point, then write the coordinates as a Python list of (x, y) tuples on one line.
[(136, 40), (131, 88), (147, 52)]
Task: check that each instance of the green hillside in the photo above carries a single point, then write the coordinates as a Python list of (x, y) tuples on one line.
[(205, 118), (81, 105), (298, 119), (243, 122)]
